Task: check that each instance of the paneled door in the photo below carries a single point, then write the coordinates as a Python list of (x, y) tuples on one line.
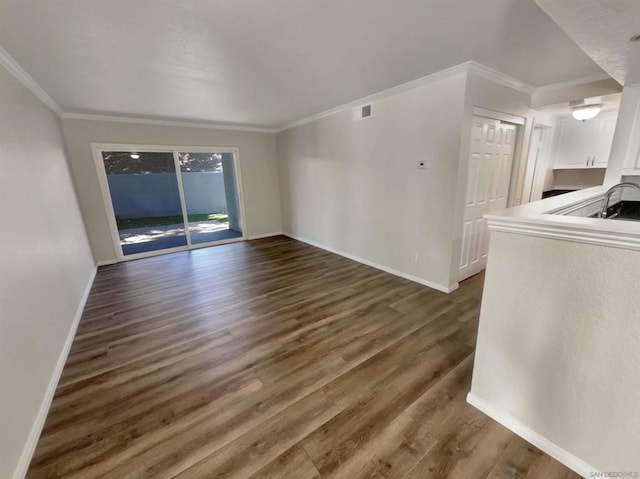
[(490, 161)]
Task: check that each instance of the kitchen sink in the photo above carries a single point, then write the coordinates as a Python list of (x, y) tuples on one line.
[(622, 210), (587, 209)]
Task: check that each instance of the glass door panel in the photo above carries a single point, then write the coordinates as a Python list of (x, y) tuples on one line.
[(146, 200), (211, 196)]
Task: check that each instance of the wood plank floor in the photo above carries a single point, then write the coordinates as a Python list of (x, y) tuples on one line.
[(274, 359)]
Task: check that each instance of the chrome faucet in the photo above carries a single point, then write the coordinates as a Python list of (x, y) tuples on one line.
[(607, 196)]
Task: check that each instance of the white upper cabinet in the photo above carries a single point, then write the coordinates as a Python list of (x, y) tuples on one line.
[(604, 139), (584, 144), (575, 144)]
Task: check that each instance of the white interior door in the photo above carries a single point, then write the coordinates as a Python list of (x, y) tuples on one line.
[(490, 162)]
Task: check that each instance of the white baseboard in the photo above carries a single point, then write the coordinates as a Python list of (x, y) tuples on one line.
[(36, 428), (266, 235), (106, 262), (526, 433), (415, 279)]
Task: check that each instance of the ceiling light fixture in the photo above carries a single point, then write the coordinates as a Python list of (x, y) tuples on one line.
[(135, 156), (586, 112)]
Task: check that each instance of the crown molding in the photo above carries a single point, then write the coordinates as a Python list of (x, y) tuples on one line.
[(27, 81), (149, 121), (572, 83), (499, 77), (440, 75), (467, 67)]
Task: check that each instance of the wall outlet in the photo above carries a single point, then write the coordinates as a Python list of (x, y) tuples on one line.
[(414, 257), (422, 164)]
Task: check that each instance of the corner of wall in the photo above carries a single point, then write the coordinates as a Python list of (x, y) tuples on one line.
[(74, 182), (278, 159), (491, 94), (531, 436), (38, 424), (461, 183)]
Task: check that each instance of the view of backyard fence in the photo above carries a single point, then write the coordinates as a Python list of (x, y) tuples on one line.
[(148, 202), (156, 194)]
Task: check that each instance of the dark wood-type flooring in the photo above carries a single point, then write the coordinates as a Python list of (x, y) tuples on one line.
[(274, 359)]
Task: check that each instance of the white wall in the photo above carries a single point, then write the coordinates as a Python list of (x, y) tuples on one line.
[(558, 347), (45, 265), (258, 164), (354, 186), (577, 179)]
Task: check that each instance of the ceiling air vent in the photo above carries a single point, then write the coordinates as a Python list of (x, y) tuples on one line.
[(362, 112)]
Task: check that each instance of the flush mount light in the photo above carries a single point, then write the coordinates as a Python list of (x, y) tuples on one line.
[(586, 112), (135, 156)]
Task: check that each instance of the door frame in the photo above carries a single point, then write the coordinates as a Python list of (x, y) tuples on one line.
[(532, 169), (98, 148), (522, 135), (521, 124), (480, 238)]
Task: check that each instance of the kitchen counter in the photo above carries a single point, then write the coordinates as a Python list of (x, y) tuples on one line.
[(550, 193), (558, 347), (538, 219)]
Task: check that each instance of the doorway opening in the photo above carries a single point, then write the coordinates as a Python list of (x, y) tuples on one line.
[(170, 199)]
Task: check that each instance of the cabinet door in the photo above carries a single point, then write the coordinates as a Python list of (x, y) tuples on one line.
[(603, 140), (575, 143)]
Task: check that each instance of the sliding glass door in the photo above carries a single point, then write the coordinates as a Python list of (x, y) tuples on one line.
[(169, 199), (211, 197), (146, 200)]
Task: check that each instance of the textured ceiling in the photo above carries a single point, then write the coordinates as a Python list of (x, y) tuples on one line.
[(602, 28), (267, 63)]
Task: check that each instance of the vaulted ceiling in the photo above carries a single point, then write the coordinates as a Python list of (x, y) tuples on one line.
[(267, 63)]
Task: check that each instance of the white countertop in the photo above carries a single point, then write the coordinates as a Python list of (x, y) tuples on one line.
[(534, 219)]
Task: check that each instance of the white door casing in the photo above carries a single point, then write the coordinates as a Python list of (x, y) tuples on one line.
[(536, 163), (490, 162), (534, 155)]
